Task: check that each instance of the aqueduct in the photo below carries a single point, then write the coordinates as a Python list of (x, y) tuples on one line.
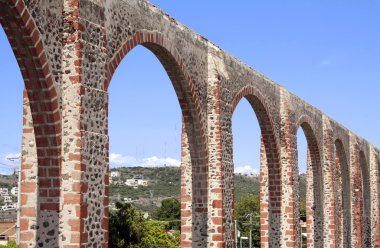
[(67, 53)]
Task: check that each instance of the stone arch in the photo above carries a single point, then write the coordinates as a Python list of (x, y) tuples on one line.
[(194, 152), (365, 200), (343, 191), (314, 185), (39, 196), (270, 167)]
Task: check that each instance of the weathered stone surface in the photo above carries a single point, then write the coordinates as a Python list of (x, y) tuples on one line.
[(68, 51)]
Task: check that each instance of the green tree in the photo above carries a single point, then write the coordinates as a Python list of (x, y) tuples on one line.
[(126, 226), (170, 210), (156, 237), (247, 208)]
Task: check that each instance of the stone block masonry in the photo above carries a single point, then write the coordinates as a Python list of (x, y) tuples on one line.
[(67, 53)]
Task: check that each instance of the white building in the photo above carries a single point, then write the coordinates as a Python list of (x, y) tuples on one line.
[(14, 191), (128, 200), (136, 182), (4, 191), (7, 199), (115, 174)]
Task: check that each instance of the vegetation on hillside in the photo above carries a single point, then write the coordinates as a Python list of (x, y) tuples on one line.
[(164, 182), (129, 229)]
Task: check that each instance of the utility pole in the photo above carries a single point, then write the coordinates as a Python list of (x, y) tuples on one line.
[(250, 230), (250, 225)]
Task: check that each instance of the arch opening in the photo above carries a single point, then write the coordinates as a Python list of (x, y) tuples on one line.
[(270, 171), (302, 166), (11, 102), (184, 147), (314, 189), (246, 159)]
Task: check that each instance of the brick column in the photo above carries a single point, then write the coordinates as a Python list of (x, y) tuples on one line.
[(29, 180), (366, 199), (264, 197), (84, 189), (39, 184), (355, 194), (310, 203), (375, 206), (290, 225), (339, 195), (361, 195), (186, 191), (217, 217), (328, 185)]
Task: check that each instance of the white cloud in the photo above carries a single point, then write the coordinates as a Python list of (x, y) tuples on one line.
[(247, 169), (118, 160), (155, 161)]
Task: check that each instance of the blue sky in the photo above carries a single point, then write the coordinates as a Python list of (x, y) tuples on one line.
[(326, 52)]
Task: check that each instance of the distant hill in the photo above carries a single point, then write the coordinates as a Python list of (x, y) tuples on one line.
[(164, 182)]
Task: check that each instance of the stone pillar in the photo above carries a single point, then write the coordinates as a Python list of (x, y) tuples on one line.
[(375, 206), (366, 197), (264, 197), (219, 163), (193, 187), (361, 196), (356, 187), (310, 203), (186, 191), (216, 218), (39, 182), (29, 180), (345, 194), (85, 173), (339, 196), (329, 230), (290, 224)]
